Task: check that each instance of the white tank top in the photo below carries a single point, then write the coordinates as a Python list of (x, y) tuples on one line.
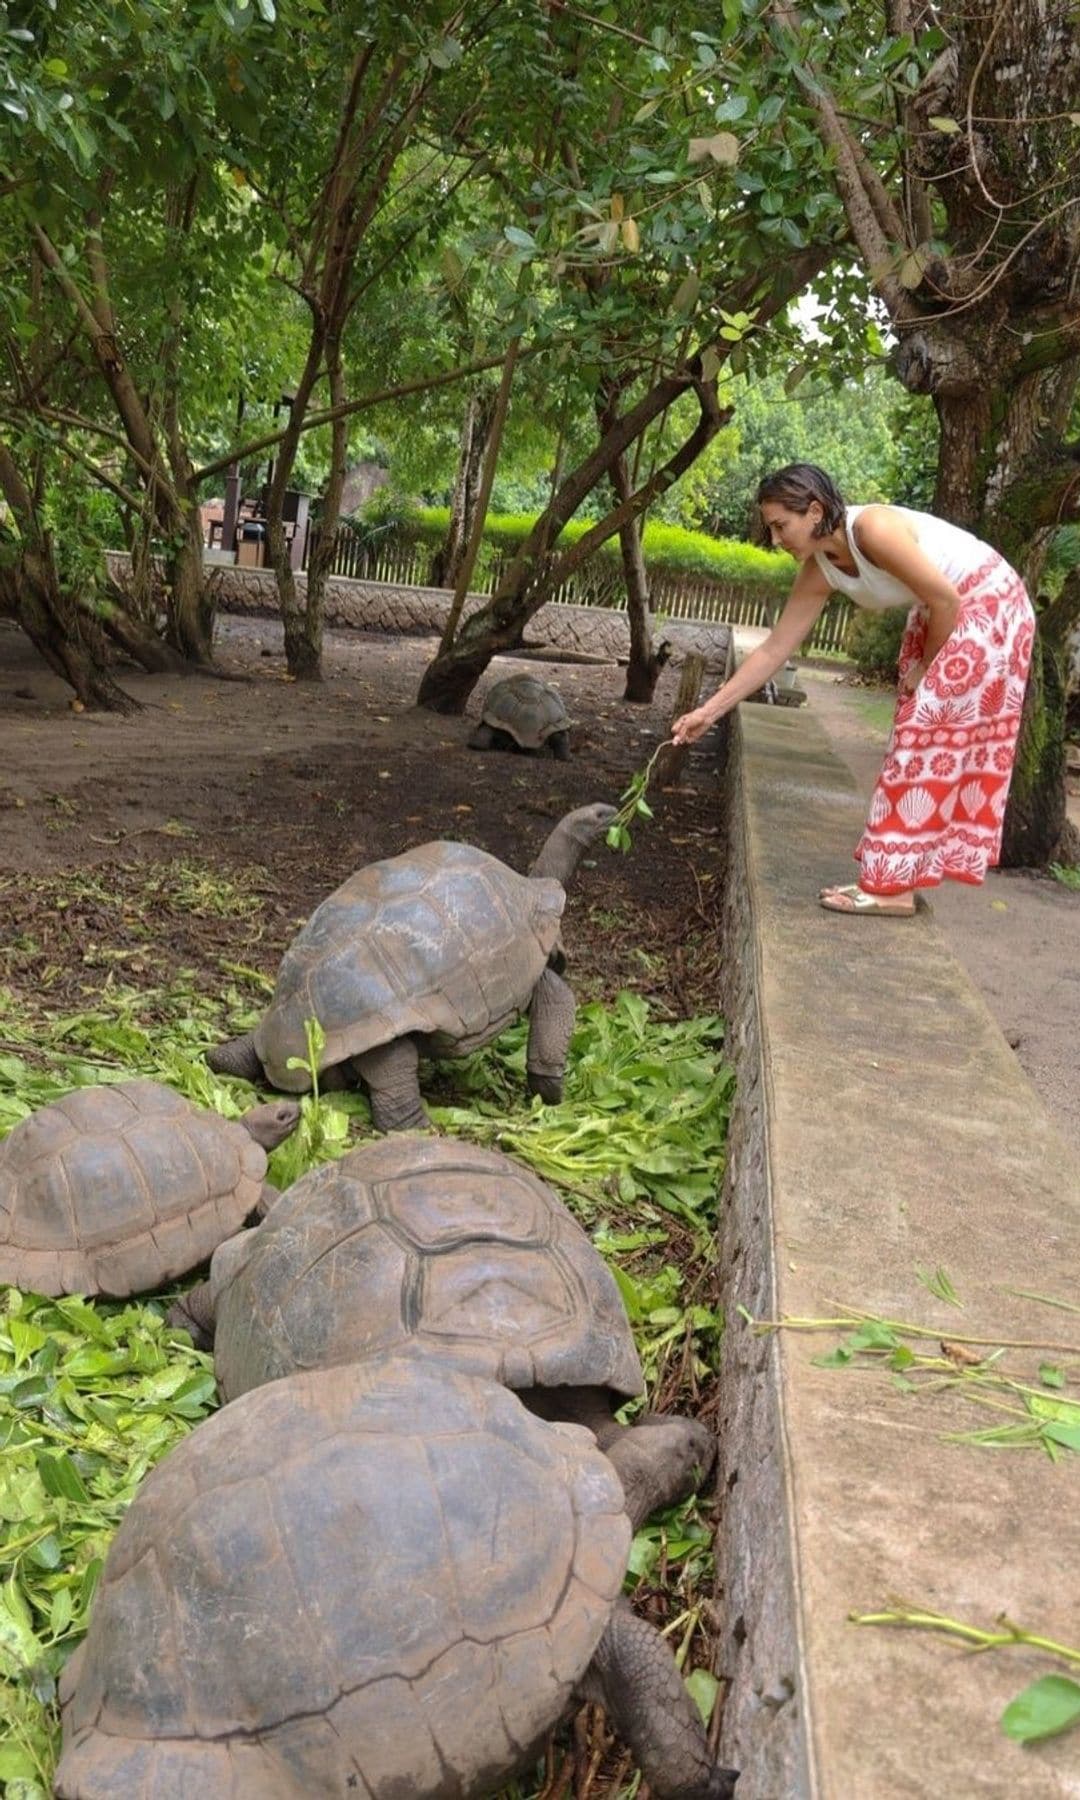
[(954, 551)]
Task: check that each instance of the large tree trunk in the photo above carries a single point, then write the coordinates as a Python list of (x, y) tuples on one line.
[(30, 589), (1035, 817), (971, 234), (137, 640), (475, 431)]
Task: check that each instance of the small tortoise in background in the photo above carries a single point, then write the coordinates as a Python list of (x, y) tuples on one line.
[(522, 713), (430, 953), (114, 1190), (385, 1581), (453, 1252)]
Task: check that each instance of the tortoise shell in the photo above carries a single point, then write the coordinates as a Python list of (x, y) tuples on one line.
[(428, 1243), (444, 942), (374, 1580), (528, 709), (113, 1190)]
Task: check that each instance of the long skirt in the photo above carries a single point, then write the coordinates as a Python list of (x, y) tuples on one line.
[(939, 805)]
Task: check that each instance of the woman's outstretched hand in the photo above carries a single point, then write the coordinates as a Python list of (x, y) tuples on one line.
[(691, 726)]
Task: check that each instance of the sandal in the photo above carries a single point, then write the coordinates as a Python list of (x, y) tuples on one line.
[(854, 899)]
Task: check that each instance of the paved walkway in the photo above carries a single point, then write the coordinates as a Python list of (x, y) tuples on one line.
[(883, 1129), (1016, 937)]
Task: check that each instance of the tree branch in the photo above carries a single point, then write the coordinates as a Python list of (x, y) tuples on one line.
[(423, 384)]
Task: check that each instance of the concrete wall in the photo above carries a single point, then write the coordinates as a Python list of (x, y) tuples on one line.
[(882, 1125), (412, 611)]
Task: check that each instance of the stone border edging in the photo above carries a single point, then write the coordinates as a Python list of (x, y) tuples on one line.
[(405, 611), (881, 1123)]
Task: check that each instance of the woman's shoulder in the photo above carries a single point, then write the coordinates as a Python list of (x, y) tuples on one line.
[(878, 523)]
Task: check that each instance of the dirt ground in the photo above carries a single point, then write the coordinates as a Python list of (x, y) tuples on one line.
[(1018, 937), (121, 835)]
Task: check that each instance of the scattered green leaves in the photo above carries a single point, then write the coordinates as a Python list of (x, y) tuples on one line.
[(1047, 1706), (937, 1282), (966, 1367), (91, 1396)]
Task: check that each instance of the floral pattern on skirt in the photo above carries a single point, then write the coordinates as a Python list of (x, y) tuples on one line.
[(938, 808)]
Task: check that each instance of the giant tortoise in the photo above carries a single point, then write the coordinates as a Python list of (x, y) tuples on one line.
[(450, 1251), (522, 713), (434, 952), (385, 1580), (112, 1190)]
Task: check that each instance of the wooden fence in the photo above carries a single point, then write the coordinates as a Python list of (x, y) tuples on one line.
[(674, 595)]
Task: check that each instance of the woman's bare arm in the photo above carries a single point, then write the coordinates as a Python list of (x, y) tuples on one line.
[(808, 595)]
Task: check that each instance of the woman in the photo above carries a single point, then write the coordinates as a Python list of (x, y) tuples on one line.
[(939, 803)]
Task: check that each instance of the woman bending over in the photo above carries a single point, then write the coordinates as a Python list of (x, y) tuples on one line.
[(937, 810)]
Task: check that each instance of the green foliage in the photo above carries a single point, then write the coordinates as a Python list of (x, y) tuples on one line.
[(1050, 1705), (873, 642), (666, 547), (1061, 558), (862, 431), (645, 1112), (1068, 874), (92, 1394)]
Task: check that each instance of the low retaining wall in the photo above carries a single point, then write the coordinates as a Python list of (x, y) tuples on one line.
[(422, 612), (882, 1126)]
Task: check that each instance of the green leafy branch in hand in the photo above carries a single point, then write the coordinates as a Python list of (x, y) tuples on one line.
[(1047, 1706), (633, 805)]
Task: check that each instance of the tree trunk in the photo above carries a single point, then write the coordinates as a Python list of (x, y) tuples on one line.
[(643, 669), (306, 660), (190, 627), (475, 431), (1035, 817), (136, 639), (68, 642), (297, 648)]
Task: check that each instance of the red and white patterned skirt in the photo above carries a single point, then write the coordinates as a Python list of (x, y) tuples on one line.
[(939, 804)]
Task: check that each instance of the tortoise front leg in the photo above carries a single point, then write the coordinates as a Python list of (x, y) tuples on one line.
[(194, 1313), (389, 1074), (268, 1194), (551, 1021), (659, 1461), (635, 1678), (237, 1057)]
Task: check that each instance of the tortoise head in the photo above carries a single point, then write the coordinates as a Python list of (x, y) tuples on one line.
[(271, 1124), (562, 852)]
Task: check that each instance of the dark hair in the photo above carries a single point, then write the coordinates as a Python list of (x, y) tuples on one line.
[(799, 484)]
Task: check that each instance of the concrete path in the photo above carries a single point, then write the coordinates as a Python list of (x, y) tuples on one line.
[(883, 1131), (1017, 938)]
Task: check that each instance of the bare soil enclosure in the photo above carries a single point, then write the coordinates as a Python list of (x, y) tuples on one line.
[(181, 847), (305, 782)]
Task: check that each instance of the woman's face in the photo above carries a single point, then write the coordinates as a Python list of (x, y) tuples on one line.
[(792, 531)]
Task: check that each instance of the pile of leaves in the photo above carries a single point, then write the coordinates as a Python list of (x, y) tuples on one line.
[(93, 1394)]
